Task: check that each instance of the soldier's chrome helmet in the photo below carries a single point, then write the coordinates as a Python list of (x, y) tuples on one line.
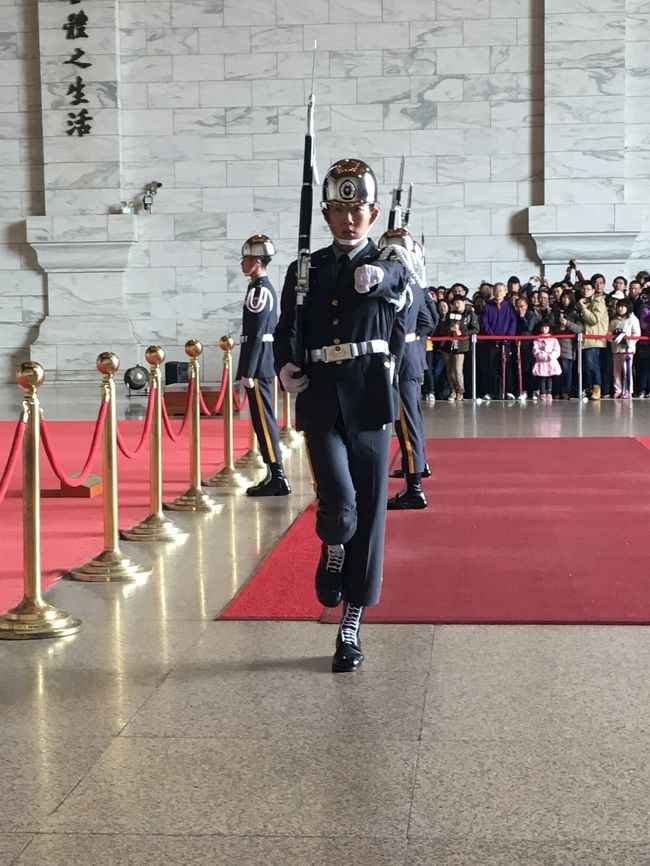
[(258, 245), (397, 238), (349, 181)]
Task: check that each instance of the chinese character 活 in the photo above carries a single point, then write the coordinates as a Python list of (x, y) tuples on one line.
[(79, 123)]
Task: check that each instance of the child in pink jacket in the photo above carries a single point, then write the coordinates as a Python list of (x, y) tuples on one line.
[(546, 351)]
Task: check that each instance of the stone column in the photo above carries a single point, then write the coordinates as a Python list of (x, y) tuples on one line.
[(83, 242), (588, 213)]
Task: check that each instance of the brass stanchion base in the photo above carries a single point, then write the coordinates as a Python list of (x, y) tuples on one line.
[(290, 437), (37, 619), (155, 527), (228, 478), (251, 460), (111, 566), (194, 499)]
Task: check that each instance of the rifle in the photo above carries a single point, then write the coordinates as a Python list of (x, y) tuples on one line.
[(395, 215), (304, 226), (407, 212)]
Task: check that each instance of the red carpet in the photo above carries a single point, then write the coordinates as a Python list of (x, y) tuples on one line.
[(72, 529), (517, 531)]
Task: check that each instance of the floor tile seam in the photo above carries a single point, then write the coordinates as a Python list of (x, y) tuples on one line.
[(22, 851), (547, 741), (206, 835), (425, 698), (361, 739)]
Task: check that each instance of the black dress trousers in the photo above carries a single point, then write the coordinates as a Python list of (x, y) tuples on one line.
[(351, 469), (260, 403), (410, 427)]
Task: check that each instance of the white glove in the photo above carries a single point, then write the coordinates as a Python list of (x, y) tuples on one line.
[(367, 276), (291, 384), (246, 382)]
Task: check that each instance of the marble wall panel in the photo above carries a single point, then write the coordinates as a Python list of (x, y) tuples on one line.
[(499, 31), (348, 64), (585, 109), (265, 39), (204, 67), (260, 65), (584, 82), (584, 164), (463, 61), (463, 221), (498, 86), (200, 122), (167, 95), (84, 294), (492, 194), (278, 92), (177, 42), (236, 12), (436, 88), (146, 15), (590, 190), (300, 64), (225, 199), (242, 225), (154, 69), (574, 54), (224, 40), (388, 36), (197, 13), (354, 117), (149, 122), (592, 27), (585, 218), (441, 34), (412, 61)]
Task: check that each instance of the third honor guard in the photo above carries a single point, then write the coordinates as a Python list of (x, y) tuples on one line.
[(255, 369), (416, 323)]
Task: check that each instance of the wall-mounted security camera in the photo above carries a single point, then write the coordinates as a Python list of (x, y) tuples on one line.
[(150, 191)]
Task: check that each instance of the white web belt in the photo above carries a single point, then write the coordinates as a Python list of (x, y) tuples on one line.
[(346, 351), (266, 338)]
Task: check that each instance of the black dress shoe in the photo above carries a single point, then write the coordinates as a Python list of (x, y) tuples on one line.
[(329, 575), (407, 499), (270, 487), (426, 472), (347, 658), (397, 473)]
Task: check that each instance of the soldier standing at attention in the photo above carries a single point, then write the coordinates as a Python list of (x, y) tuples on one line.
[(255, 369), (346, 394)]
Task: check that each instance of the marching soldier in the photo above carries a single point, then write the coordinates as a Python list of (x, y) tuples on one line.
[(346, 394), (416, 324), (255, 369)]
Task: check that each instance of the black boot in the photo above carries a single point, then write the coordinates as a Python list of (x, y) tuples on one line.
[(329, 574), (348, 656), (275, 483), (411, 498)]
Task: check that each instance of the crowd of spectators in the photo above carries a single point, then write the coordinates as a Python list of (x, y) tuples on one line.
[(541, 322)]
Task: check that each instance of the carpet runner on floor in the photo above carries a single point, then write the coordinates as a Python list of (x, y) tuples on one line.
[(522, 530), (72, 529)]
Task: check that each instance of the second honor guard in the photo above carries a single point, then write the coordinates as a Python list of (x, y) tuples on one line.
[(255, 369)]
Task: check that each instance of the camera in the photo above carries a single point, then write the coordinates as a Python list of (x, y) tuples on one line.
[(456, 317)]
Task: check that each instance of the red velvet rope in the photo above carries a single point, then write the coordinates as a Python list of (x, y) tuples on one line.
[(220, 397), (92, 454), (126, 451), (14, 453), (169, 430), (515, 337)]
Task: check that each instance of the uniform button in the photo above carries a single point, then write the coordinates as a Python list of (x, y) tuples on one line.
[(335, 321), (339, 362), (386, 363), (335, 302), (336, 341)]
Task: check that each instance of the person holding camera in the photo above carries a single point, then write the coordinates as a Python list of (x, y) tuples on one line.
[(567, 321), (593, 315), (624, 325), (461, 323)]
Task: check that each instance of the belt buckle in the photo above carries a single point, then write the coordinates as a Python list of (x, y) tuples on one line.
[(340, 352)]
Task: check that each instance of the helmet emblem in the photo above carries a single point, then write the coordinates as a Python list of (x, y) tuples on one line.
[(347, 190)]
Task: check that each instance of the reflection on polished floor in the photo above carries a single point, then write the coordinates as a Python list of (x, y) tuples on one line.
[(158, 736)]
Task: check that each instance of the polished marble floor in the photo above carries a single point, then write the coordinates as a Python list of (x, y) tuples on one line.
[(158, 736)]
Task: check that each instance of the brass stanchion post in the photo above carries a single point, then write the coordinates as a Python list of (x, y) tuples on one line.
[(155, 527), (33, 617), (111, 565), (194, 498), (252, 459), (289, 436), (228, 477)]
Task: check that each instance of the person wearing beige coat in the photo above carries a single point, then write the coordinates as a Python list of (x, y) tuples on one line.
[(593, 313)]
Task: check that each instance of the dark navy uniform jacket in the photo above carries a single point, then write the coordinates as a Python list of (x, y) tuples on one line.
[(362, 390), (260, 317), (416, 319)]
